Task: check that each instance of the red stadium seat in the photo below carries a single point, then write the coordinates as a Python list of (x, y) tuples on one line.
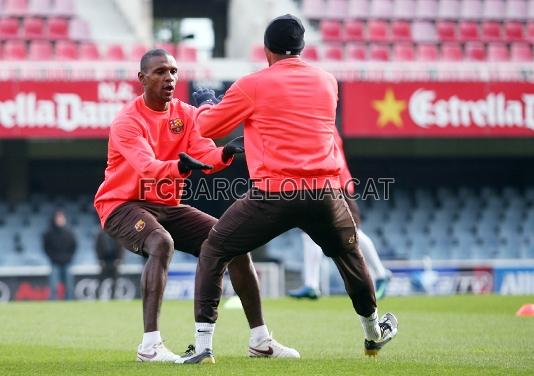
[(58, 28), (40, 50), (471, 10), (493, 10), (137, 51), (33, 28), (66, 50), (498, 52), (257, 53), (427, 52), (491, 31), (18, 8), (379, 52), (354, 30), (514, 31), (446, 31), (382, 9), (426, 9), (403, 52), (310, 53), (521, 52), (469, 31), (313, 9), (401, 30), (331, 30), (530, 32), (403, 9), (475, 51), (15, 50), (186, 53), (355, 52), (516, 10), (89, 51), (9, 28), (358, 9), (333, 52), (79, 30), (424, 31), (336, 9), (377, 31), (170, 48), (40, 8), (449, 10), (115, 52), (451, 52), (64, 8)]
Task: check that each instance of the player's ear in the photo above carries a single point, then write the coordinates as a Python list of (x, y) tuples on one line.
[(141, 77)]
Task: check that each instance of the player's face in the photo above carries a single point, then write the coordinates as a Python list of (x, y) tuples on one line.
[(160, 78)]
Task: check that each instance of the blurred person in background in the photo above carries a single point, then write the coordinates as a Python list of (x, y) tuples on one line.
[(59, 244), (109, 253)]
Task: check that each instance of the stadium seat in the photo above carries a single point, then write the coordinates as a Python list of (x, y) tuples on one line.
[(354, 30), (449, 10), (379, 52), (17, 8), (403, 9), (79, 30), (446, 31), (491, 31), (516, 10), (493, 10), (171, 48), (401, 30), (313, 9), (330, 30), (58, 28), (66, 50), (40, 50), (185, 53), (33, 28), (9, 28), (257, 53), (333, 52), (137, 51), (521, 52), (336, 9), (427, 52), (514, 31), (451, 52), (475, 51), (40, 8), (468, 31), (377, 31), (382, 9), (426, 9), (115, 52), (498, 52), (355, 52), (310, 53), (88, 51), (64, 8), (358, 9), (403, 52), (471, 10), (15, 50), (530, 32), (424, 31)]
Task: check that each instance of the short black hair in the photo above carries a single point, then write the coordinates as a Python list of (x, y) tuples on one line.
[(149, 55)]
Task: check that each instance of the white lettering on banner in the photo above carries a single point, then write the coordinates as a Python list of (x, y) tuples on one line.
[(517, 283), (66, 111), (493, 111)]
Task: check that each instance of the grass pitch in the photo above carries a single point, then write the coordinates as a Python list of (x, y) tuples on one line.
[(458, 335)]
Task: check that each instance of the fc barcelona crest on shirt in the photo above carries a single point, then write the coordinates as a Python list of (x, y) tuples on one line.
[(176, 125)]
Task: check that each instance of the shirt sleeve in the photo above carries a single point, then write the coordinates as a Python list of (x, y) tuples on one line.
[(219, 120), (129, 141)]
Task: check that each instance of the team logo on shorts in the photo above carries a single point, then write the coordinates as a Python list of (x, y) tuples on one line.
[(140, 225), (352, 239), (176, 126)]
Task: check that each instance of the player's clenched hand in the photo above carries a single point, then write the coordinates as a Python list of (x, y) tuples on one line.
[(188, 163), (204, 96), (237, 145)]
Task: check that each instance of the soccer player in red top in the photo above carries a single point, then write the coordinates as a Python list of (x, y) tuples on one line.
[(153, 145), (288, 111)]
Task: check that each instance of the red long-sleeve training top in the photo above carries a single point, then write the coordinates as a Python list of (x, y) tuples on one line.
[(143, 153), (289, 112)]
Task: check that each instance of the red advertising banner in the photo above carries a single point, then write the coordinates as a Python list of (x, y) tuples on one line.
[(65, 109), (438, 109)]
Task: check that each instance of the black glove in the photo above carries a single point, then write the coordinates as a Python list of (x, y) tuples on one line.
[(188, 163), (204, 96), (237, 145)]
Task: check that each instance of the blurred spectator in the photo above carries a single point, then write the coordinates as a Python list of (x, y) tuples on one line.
[(59, 245), (109, 253)]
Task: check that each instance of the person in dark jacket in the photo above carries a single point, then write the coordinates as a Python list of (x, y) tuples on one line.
[(59, 244), (109, 253)]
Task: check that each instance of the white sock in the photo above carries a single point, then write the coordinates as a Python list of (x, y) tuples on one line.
[(312, 262), (203, 336), (370, 327), (371, 257), (258, 334), (150, 339)]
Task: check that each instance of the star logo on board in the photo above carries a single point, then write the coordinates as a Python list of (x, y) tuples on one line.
[(389, 110)]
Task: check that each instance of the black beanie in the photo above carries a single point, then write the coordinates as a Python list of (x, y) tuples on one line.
[(285, 35)]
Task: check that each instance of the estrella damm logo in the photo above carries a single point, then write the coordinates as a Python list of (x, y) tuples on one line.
[(176, 126)]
